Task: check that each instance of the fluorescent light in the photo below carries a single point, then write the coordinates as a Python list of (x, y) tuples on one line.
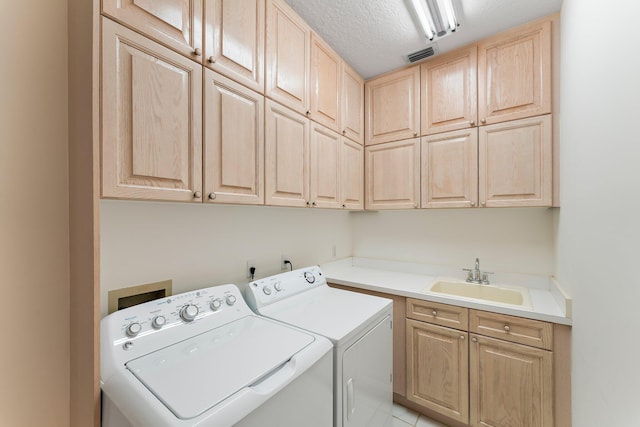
[(424, 16), (450, 14), (437, 17)]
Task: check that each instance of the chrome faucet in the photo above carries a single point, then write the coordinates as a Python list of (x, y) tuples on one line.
[(477, 276)]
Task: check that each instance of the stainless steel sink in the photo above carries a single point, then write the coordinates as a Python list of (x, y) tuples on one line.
[(511, 295)]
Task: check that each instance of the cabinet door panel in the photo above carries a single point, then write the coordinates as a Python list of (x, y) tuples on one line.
[(151, 119), (325, 167), (393, 106), (510, 384), (234, 40), (288, 57), (393, 175), (352, 109), (326, 79), (287, 157), (514, 74), (437, 369), (515, 163), (234, 142), (449, 92), (174, 23), (352, 176), (450, 169)]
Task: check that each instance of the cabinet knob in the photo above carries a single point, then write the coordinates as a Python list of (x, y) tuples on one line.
[(474, 339), (483, 204), (435, 313), (344, 206), (462, 337), (308, 203), (344, 132), (197, 51), (507, 328), (308, 112), (472, 204), (211, 60), (212, 196), (313, 204), (472, 123), (415, 134), (197, 195), (483, 121)]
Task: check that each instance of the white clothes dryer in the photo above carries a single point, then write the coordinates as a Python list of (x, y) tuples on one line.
[(360, 327), (203, 358)]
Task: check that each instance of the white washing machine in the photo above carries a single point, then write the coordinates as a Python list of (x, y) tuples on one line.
[(203, 358), (360, 327)]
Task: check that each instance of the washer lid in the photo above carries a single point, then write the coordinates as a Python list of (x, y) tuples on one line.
[(196, 374)]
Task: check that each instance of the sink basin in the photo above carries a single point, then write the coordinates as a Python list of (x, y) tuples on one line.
[(511, 295)]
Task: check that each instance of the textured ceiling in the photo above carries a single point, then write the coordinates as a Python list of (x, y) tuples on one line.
[(375, 36)]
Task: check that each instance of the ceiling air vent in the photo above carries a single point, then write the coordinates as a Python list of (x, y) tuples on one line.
[(422, 54)]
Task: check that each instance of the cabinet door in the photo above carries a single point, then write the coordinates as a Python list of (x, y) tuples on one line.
[(514, 74), (288, 57), (325, 167), (449, 92), (234, 40), (286, 157), (515, 163), (151, 119), (450, 169), (352, 109), (393, 175), (352, 174), (393, 106), (437, 369), (510, 384), (326, 80), (234, 142), (174, 23)]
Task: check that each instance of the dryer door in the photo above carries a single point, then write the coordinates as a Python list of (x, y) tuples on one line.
[(367, 389)]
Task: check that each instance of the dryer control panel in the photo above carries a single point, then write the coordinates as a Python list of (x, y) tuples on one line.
[(269, 290)]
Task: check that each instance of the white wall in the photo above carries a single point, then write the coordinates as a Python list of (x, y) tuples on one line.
[(506, 240), (598, 226), (203, 245), (34, 217)]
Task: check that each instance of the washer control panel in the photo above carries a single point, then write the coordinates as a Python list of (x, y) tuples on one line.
[(276, 288)]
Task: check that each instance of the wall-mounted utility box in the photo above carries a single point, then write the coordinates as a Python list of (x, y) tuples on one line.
[(127, 297)]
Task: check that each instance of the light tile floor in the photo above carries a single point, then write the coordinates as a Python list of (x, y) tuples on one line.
[(405, 417)]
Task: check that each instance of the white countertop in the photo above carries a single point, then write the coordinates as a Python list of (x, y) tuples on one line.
[(549, 302)]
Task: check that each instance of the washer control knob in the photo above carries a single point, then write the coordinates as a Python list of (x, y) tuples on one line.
[(231, 299), (309, 277), (215, 304), (189, 312), (277, 286), (158, 322), (266, 290), (133, 329)]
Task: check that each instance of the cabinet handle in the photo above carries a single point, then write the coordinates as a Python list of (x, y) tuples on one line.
[(344, 206), (415, 134), (472, 204), (474, 339), (197, 195), (197, 51), (462, 337), (313, 204), (308, 112), (212, 196), (483, 204), (435, 313), (483, 121), (211, 60), (308, 203), (507, 328), (344, 132), (472, 123)]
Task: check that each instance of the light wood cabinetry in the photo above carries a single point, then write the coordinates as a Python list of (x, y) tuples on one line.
[(234, 40), (287, 57), (234, 142), (514, 73), (326, 81), (151, 119), (515, 164), (393, 106), (393, 175), (325, 168), (352, 109), (173, 23), (352, 175), (449, 92), (450, 169), (534, 333), (286, 156)]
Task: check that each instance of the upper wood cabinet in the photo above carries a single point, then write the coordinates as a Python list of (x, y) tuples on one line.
[(352, 175), (286, 156), (326, 81), (514, 73), (233, 142), (393, 175), (151, 119), (393, 106), (450, 169), (174, 23), (324, 185), (352, 109), (234, 40), (287, 57), (449, 92), (514, 165)]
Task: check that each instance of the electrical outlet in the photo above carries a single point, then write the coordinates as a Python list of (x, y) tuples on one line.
[(284, 266), (250, 263)]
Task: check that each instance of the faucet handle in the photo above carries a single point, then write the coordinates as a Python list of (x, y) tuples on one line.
[(485, 277), (469, 274)]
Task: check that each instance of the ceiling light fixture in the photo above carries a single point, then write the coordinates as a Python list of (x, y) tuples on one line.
[(437, 17)]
